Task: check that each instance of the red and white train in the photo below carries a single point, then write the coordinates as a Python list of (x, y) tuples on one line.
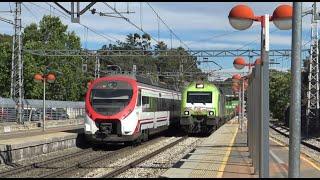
[(123, 108)]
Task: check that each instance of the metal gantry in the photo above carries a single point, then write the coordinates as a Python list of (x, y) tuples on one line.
[(313, 77), (174, 53), (16, 90)]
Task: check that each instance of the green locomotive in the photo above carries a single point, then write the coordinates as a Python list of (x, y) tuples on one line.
[(203, 108)]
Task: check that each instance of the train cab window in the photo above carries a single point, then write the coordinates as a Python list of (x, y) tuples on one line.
[(110, 97), (199, 97)]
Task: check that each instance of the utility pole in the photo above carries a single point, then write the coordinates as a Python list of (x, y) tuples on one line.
[(313, 77), (295, 109), (16, 89)]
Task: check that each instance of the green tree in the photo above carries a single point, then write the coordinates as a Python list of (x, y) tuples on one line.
[(153, 63), (5, 64), (52, 34), (279, 93)]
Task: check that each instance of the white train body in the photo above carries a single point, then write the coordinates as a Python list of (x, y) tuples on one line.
[(146, 109)]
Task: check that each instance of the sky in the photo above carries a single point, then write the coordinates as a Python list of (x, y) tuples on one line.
[(200, 25)]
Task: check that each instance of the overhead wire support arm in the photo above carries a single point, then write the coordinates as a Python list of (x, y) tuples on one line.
[(6, 20), (108, 14), (77, 13), (81, 12), (64, 9), (87, 7)]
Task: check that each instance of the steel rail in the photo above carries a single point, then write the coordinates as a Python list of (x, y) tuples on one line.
[(87, 162), (43, 163), (311, 146), (144, 158), (84, 163)]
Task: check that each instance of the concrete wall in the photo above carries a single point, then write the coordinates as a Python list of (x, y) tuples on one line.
[(14, 127), (10, 153)]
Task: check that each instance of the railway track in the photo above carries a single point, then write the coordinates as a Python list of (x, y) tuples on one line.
[(286, 134), (83, 163), (47, 164), (43, 163), (71, 162), (133, 164)]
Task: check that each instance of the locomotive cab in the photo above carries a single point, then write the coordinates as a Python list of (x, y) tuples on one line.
[(109, 102), (201, 110), (110, 97)]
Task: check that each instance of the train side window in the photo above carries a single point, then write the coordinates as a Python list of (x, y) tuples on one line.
[(139, 98), (159, 106), (153, 104), (219, 105), (145, 103)]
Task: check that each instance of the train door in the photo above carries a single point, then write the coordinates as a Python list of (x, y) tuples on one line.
[(139, 105), (147, 116)]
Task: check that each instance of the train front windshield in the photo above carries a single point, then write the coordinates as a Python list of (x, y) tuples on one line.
[(199, 97), (110, 97)]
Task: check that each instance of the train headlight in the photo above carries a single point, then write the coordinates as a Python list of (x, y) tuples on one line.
[(211, 113), (199, 85), (186, 112)]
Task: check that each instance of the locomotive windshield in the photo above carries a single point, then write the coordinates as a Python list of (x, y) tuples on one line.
[(199, 97), (110, 97)]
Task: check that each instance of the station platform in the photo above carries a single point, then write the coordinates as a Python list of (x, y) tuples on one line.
[(26, 144), (224, 154)]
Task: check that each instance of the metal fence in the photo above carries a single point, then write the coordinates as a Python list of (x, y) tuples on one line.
[(33, 110), (254, 116), (7, 110)]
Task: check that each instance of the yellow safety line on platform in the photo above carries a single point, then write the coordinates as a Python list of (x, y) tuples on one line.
[(226, 156), (285, 146)]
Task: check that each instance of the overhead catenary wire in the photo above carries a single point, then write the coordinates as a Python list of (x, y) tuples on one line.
[(141, 15), (220, 35), (168, 27), (158, 28), (251, 42), (9, 21), (23, 4), (129, 21), (170, 40), (67, 18)]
